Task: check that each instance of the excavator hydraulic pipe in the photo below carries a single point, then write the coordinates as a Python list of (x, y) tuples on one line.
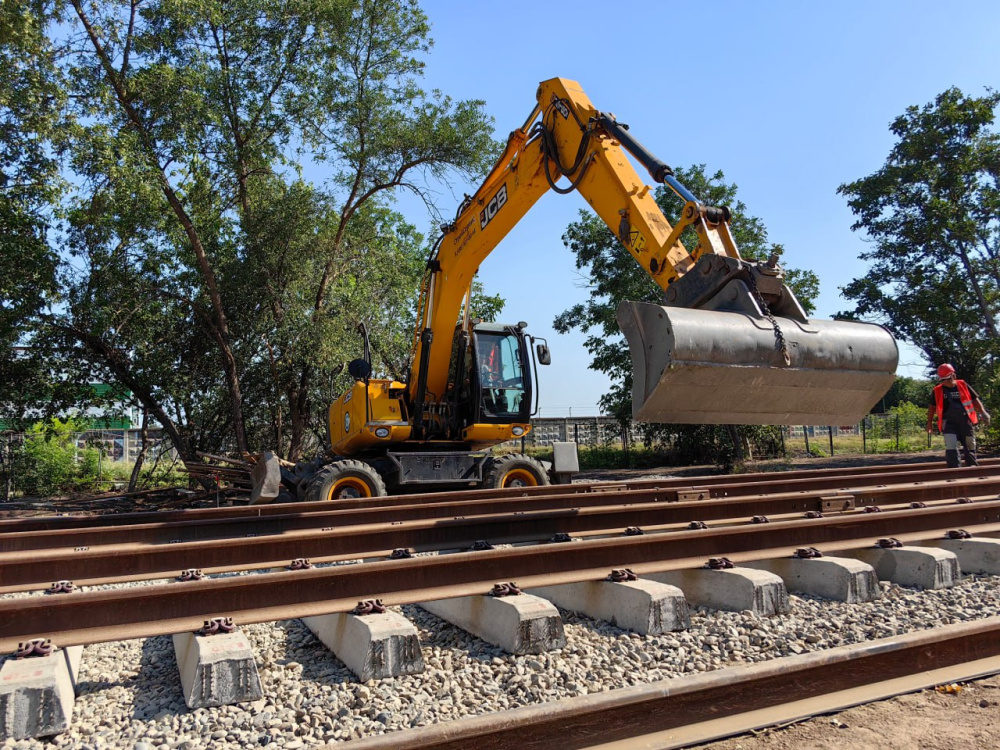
[(658, 170)]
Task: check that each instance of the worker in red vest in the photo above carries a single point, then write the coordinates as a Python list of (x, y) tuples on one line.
[(956, 404)]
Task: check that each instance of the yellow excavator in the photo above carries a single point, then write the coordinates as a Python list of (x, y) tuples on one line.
[(728, 344)]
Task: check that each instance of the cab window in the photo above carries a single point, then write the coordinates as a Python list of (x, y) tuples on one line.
[(501, 375)]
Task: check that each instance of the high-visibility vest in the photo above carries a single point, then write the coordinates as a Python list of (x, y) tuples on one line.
[(963, 394)]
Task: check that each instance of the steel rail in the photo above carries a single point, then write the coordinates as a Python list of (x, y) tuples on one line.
[(94, 616), (108, 563), (710, 486), (648, 713), (919, 488)]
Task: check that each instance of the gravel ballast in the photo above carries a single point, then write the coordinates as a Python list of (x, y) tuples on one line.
[(130, 695)]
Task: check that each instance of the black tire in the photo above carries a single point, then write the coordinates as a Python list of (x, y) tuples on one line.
[(346, 479), (515, 470)]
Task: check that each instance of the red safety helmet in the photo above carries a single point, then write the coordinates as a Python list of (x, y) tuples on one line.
[(945, 371)]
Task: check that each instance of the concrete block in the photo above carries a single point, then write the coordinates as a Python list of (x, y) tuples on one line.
[(522, 624), (265, 477), (919, 567), (37, 694), (646, 607), (980, 555), (372, 646), (216, 670), (838, 578), (732, 589)]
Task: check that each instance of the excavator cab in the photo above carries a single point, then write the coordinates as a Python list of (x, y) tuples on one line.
[(502, 375)]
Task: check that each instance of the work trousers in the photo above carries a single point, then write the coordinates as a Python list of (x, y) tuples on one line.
[(968, 443)]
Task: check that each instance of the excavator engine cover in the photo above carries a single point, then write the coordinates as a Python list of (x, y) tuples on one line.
[(693, 366)]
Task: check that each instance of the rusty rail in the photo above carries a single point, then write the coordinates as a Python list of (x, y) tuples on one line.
[(922, 486), (154, 610), (107, 563), (625, 714), (686, 487)]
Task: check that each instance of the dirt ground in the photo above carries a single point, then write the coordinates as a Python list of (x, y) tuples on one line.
[(928, 720)]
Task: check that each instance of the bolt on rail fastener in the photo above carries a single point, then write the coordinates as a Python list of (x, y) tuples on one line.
[(620, 575), (807, 553), (217, 625), (890, 543), (505, 589), (369, 607), (34, 647)]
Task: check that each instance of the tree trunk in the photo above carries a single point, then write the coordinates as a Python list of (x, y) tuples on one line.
[(977, 288), (220, 327), (144, 435), (738, 447)]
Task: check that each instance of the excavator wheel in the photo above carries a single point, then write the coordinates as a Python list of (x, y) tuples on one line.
[(345, 480), (515, 470)]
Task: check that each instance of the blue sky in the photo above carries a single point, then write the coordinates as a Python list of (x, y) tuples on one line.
[(788, 99)]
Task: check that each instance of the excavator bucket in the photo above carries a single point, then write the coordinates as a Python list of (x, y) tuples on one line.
[(695, 366)]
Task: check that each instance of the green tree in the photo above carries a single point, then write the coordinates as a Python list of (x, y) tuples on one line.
[(203, 273), (613, 277), (905, 390), (30, 99), (932, 216)]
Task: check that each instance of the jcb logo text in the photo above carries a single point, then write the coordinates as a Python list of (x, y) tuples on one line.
[(496, 203)]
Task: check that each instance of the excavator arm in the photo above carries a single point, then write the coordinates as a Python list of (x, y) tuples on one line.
[(729, 344)]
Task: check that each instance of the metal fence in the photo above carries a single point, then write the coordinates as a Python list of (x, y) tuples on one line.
[(116, 450), (877, 433)]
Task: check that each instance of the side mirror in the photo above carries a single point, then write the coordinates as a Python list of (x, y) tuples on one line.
[(359, 369), (544, 355)]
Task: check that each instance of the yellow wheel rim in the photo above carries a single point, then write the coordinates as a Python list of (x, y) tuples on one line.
[(519, 478), (348, 488)]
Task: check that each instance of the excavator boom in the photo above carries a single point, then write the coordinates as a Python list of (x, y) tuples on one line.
[(728, 343)]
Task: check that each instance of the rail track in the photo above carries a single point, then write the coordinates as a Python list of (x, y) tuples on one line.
[(645, 526)]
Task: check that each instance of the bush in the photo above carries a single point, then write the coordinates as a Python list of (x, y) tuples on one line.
[(48, 458), (49, 462)]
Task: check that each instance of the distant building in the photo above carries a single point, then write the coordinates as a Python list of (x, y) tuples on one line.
[(119, 434)]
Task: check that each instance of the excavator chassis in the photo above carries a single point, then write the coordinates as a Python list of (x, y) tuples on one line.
[(727, 367)]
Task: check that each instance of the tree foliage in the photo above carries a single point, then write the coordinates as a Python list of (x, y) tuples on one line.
[(612, 276), (932, 216), (30, 98), (905, 390), (202, 271)]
